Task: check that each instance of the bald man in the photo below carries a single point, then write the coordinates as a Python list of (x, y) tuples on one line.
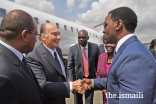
[(49, 66), (18, 84), (82, 63)]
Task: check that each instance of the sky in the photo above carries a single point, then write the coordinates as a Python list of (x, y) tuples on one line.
[(90, 13)]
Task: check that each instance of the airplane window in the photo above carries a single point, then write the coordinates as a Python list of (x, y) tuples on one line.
[(2, 12), (77, 30), (47, 21), (57, 25), (90, 34), (36, 20), (72, 29), (65, 27)]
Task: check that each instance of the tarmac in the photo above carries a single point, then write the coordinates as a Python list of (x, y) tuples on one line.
[(98, 99)]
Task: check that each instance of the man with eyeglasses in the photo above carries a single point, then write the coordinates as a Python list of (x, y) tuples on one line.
[(82, 63), (18, 85), (47, 63)]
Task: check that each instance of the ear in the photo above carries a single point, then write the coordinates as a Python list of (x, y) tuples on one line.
[(118, 24), (88, 38), (24, 35), (43, 37)]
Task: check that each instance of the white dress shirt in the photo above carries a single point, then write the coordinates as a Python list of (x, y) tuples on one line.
[(16, 52), (122, 40)]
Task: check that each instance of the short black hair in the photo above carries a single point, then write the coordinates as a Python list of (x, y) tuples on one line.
[(14, 23), (153, 42), (84, 31), (128, 17)]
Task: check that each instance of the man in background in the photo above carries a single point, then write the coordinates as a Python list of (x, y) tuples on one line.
[(101, 47), (18, 85), (49, 67), (82, 63)]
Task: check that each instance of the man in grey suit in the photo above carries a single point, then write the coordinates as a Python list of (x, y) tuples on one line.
[(48, 65), (132, 75), (82, 63), (18, 84), (101, 47)]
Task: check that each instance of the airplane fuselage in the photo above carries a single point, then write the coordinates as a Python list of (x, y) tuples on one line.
[(69, 30)]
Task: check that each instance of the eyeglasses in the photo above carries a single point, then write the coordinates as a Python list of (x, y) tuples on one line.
[(33, 33)]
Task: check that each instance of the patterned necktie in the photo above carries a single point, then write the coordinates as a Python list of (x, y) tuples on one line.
[(85, 62), (26, 64)]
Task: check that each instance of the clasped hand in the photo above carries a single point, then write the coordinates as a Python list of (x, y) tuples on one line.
[(81, 86)]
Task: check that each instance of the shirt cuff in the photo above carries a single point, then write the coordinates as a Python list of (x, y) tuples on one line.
[(71, 87), (92, 83)]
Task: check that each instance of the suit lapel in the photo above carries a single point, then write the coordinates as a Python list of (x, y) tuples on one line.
[(31, 78), (17, 62), (48, 56), (122, 47), (79, 54), (89, 54)]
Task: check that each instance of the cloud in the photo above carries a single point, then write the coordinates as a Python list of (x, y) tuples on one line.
[(83, 3), (70, 4), (145, 10), (42, 5)]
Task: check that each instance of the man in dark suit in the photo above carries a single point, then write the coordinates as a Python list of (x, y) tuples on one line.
[(49, 67), (152, 48), (101, 47), (18, 84), (132, 76), (82, 62)]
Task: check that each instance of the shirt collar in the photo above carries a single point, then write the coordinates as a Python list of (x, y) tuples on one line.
[(84, 47), (122, 40), (50, 50), (16, 52)]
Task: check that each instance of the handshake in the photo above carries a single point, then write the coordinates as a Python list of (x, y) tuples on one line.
[(81, 86)]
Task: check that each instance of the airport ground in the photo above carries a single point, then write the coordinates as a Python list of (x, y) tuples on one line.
[(97, 98)]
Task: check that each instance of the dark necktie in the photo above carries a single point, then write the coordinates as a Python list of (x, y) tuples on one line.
[(26, 64), (55, 54), (56, 58)]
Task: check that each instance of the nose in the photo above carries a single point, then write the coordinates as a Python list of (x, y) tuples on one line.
[(103, 30), (58, 36), (81, 38)]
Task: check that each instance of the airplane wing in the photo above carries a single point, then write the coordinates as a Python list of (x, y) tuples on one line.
[(98, 25)]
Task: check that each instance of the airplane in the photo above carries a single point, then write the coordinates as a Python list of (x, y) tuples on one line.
[(68, 30)]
